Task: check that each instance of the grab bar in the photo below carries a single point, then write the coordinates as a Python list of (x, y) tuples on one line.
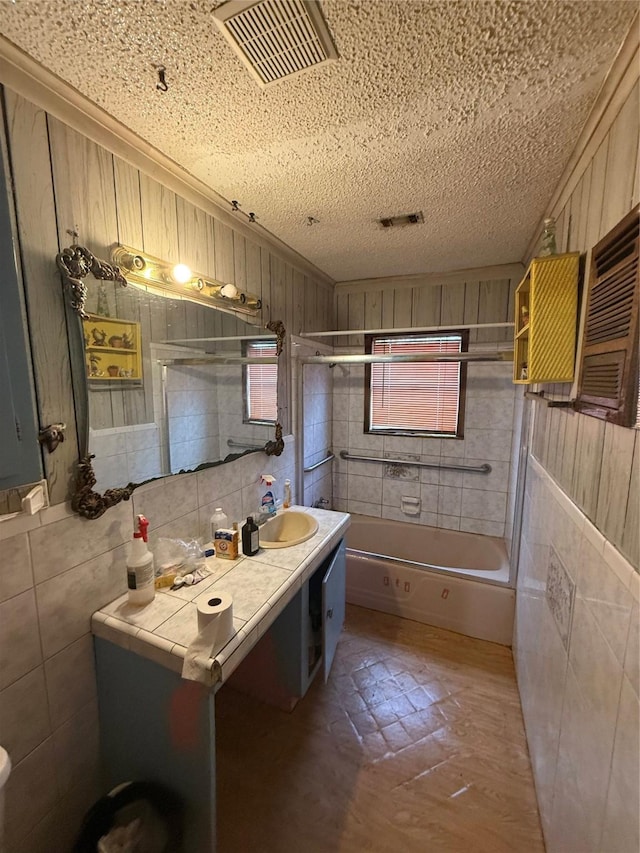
[(318, 464), (485, 468), (246, 445)]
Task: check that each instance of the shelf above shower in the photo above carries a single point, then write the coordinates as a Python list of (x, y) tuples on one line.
[(545, 320)]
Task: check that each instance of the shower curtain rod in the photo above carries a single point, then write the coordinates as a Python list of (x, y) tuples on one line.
[(221, 338), (365, 358), (216, 359), (417, 329)]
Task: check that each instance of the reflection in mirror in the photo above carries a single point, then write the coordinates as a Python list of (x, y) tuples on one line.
[(171, 385)]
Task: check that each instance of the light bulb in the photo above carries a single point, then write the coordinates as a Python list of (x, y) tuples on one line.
[(181, 273), (229, 291)]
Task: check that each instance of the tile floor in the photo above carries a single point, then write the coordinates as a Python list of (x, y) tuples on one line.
[(415, 745)]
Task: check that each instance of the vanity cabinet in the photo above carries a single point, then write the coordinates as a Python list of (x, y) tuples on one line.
[(322, 608), (281, 667), (156, 726), (545, 323)]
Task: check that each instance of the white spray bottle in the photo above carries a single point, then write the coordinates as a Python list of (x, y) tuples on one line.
[(140, 574)]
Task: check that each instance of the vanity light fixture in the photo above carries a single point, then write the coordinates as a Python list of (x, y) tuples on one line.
[(229, 291), (178, 280), (181, 273)]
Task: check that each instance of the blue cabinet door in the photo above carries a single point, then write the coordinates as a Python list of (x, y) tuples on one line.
[(333, 604), (20, 458)]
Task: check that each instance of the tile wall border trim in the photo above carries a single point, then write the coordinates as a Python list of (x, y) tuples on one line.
[(617, 562)]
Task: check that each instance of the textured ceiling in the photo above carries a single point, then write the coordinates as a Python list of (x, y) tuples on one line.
[(467, 111)]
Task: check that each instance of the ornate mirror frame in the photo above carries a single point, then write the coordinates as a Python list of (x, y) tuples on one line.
[(75, 264)]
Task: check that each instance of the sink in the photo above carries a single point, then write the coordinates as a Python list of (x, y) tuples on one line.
[(288, 528)]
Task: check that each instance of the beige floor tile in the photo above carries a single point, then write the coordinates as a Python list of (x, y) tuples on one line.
[(415, 745)]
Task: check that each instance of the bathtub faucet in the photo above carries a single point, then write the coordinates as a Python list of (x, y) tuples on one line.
[(321, 503)]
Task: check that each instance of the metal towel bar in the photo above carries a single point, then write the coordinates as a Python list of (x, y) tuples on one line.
[(318, 464), (485, 468)]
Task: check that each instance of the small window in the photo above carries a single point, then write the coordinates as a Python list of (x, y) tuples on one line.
[(260, 384), (416, 398)]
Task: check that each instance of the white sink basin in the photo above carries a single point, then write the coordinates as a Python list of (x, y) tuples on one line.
[(288, 528)]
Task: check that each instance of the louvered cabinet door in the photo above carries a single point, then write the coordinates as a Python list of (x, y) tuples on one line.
[(609, 368)]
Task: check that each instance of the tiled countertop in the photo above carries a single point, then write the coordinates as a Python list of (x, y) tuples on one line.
[(260, 586)]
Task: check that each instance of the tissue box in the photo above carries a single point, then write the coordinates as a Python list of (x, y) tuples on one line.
[(225, 543)]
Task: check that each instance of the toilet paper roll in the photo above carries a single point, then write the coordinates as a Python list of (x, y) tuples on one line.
[(215, 629), (216, 608)]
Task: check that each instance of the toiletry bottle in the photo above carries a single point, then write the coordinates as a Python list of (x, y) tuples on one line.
[(218, 521), (268, 500), (140, 576), (250, 538), (286, 501)]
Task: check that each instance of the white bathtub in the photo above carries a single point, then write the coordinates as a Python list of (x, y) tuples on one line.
[(440, 577)]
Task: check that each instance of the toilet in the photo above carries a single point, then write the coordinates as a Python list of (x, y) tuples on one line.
[(5, 769)]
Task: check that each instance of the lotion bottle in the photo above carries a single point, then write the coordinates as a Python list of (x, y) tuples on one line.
[(286, 498), (140, 574)]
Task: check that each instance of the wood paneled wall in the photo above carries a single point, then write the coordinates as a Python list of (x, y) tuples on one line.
[(394, 303), (63, 182), (598, 464)]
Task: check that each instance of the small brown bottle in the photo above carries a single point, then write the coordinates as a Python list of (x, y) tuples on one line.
[(250, 538)]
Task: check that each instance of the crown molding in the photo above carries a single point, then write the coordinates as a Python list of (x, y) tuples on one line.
[(27, 78)]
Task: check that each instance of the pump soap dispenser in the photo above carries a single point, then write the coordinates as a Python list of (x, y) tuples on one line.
[(140, 575)]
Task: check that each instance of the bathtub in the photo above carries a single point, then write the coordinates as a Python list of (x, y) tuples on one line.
[(445, 578)]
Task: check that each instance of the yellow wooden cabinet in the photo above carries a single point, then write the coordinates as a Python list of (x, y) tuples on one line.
[(112, 349), (545, 322)]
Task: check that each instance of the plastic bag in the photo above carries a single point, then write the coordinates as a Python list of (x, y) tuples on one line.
[(178, 555), (137, 817)]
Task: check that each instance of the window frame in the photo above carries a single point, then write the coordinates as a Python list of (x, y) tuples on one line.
[(246, 345), (462, 386)]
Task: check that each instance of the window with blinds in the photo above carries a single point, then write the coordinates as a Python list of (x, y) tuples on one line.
[(416, 398), (260, 384)]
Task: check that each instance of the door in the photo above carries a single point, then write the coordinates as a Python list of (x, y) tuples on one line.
[(333, 604)]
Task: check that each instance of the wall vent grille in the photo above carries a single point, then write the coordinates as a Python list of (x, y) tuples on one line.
[(276, 38), (402, 220)]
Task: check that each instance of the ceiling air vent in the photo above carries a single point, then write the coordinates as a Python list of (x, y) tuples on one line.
[(403, 219), (276, 39)]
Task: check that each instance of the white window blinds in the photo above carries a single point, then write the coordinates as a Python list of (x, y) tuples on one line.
[(420, 396), (261, 391)]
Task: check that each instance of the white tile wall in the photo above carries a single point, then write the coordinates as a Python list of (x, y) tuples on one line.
[(580, 703), (54, 574), (450, 499), (126, 455), (315, 412)]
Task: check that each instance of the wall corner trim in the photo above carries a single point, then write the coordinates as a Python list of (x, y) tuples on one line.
[(616, 88)]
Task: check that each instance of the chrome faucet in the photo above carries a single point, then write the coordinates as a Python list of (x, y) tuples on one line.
[(321, 503), (260, 516)]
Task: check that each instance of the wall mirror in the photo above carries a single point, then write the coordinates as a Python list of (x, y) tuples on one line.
[(164, 385)]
